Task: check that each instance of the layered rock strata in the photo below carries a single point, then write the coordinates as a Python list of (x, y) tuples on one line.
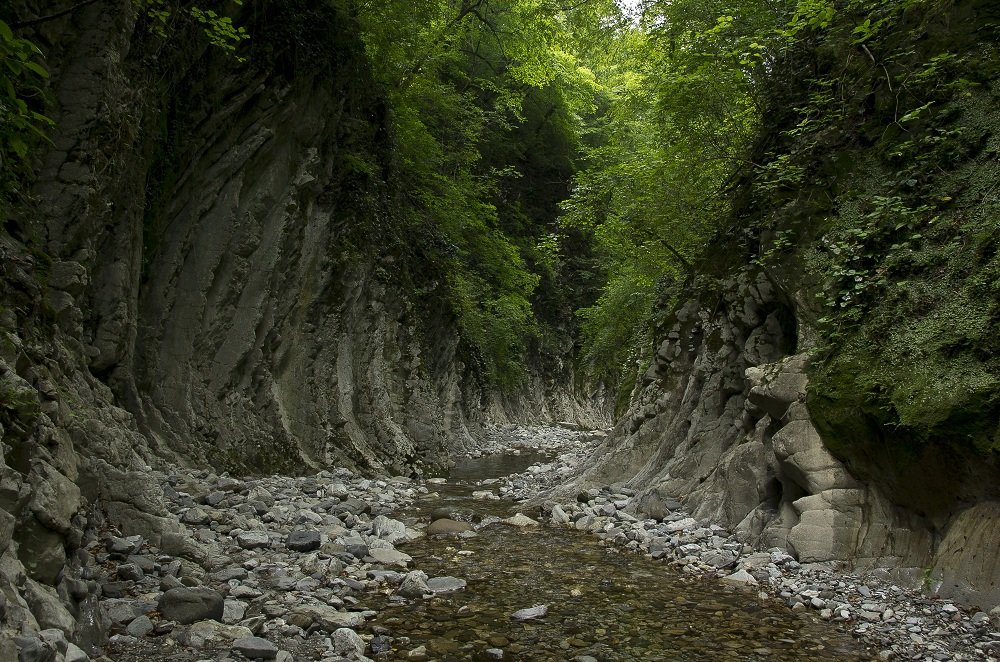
[(720, 422)]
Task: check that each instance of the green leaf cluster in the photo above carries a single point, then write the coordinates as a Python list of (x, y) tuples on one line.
[(489, 103), (680, 114), (881, 164), (22, 124)]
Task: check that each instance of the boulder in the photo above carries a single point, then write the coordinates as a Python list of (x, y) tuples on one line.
[(47, 608), (390, 530), (447, 527), (348, 643), (255, 648), (253, 539), (520, 520), (740, 578), (445, 584), (414, 585), (303, 540), (188, 605), (559, 515), (530, 613), (389, 556), (325, 618)]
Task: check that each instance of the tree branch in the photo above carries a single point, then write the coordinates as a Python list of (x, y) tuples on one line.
[(51, 17)]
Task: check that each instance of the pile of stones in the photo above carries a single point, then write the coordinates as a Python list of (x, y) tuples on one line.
[(276, 568)]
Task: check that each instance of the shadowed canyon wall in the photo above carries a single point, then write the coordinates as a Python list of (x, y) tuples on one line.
[(207, 275)]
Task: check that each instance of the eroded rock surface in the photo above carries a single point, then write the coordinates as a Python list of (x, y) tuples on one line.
[(720, 422)]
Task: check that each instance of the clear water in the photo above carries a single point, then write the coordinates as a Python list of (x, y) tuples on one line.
[(604, 602)]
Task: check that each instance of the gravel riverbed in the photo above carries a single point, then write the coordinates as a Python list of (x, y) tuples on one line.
[(894, 622), (304, 568)]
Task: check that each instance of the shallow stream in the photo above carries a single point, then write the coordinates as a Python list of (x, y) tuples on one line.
[(602, 601)]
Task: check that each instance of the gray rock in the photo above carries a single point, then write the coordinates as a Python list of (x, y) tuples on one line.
[(347, 642), (529, 613), (325, 618), (445, 584), (388, 556), (188, 605), (129, 545), (227, 574), (75, 654), (181, 545), (7, 523), (54, 498), (353, 506), (212, 634), (680, 525), (226, 484), (170, 581), (255, 648), (140, 626), (253, 539), (774, 390), (447, 527), (41, 550), (388, 529), (559, 515), (414, 585), (55, 638), (48, 609), (805, 460), (121, 611), (233, 611), (68, 276), (995, 617), (380, 644), (129, 572), (34, 649), (719, 558), (740, 578), (215, 498), (195, 516), (303, 540), (520, 520)]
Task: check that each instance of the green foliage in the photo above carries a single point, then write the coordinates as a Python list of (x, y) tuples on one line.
[(680, 113), (488, 103), (884, 172), (219, 29), (22, 124)]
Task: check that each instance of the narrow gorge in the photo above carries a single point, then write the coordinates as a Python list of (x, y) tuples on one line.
[(499, 329)]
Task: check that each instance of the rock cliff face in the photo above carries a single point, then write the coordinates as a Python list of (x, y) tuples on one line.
[(207, 277), (839, 398), (722, 423)]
